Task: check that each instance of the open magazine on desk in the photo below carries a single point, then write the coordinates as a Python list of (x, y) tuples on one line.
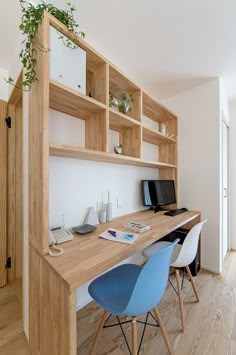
[(119, 236)]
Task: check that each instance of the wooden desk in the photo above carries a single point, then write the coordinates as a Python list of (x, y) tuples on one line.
[(84, 258)]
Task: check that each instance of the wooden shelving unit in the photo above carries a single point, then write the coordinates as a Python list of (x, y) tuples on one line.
[(93, 107)]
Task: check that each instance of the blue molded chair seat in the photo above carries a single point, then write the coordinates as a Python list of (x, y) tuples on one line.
[(112, 295), (133, 290)]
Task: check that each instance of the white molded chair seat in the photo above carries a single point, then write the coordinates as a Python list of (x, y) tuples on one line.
[(182, 257), (153, 249)]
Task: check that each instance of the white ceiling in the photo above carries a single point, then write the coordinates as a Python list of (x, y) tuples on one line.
[(166, 46)]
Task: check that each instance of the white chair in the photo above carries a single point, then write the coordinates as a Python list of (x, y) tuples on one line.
[(182, 257)]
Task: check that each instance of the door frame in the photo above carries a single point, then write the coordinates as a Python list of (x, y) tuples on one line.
[(3, 193), (225, 124), (15, 184)]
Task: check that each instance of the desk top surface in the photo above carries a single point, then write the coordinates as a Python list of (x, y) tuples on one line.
[(87, 256)]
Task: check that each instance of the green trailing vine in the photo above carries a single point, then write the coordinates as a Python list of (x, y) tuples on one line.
[(31, 18)]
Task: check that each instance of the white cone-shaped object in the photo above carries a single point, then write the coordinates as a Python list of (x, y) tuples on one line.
[(91, 217)]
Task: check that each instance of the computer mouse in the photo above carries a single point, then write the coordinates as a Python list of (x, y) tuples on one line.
[(184, 209)]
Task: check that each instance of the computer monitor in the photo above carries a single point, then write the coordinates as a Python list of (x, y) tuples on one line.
[(158, 193)]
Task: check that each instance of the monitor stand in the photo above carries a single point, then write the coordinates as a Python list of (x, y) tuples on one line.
[(157, 209)]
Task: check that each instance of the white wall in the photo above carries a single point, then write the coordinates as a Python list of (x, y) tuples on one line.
[(199, 162), (75, 185), (232, 173), (3, 84)]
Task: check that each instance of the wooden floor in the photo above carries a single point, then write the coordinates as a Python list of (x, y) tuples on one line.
[(210, 324), (12, 338)]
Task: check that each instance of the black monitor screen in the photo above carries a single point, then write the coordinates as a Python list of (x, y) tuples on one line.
[(158, 192)]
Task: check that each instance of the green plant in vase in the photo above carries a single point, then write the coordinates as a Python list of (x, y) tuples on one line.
[(121, 101), (30, 20)]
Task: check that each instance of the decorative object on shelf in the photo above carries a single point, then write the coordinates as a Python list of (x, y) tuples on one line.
[(113, 101), (118, 149), (109, 208), (163, 129), (109, 212), (121, 101), (103, 212), (91, 217), (30, 20), (102, 216)]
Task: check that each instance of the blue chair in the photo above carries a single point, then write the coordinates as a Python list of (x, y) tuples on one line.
[(132, 290)]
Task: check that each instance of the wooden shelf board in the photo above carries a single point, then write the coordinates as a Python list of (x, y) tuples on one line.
[(156, 111), (155, 137), (71, 102), (119, 121), (66, 151)]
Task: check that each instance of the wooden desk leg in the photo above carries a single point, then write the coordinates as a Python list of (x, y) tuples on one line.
[(192, 282), (134, 336), (52, 311), (163, 332), (180, 295)]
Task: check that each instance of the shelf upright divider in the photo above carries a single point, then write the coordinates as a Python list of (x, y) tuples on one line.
[(45, 285)]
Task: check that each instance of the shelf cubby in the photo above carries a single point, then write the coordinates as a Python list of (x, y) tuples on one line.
[(69, 101), (77, 105), (119, 83), (159, 114), (155, 137), (156, 111), (96, 79), (96, 64), (129, 133), (119, 121)]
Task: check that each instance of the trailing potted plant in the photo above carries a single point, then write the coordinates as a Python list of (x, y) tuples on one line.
[(31, 18)]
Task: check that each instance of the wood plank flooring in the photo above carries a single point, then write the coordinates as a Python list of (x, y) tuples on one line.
[(12, 338), (210, 324)]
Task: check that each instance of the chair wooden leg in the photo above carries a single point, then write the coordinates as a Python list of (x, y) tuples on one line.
[(180, 295), (163, 332), (99, 332), (191, 279), (134, 336)]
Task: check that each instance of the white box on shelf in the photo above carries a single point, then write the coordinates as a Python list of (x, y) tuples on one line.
[(67, 65)]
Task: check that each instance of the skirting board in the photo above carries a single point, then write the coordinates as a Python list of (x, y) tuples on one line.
[(208, 269), (26, 333), (83, 304)]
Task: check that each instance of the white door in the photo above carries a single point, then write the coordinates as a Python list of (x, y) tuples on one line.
[(225, 240)]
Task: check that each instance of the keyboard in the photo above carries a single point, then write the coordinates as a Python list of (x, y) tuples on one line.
[(173, 213)]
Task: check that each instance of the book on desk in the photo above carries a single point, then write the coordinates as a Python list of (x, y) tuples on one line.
[(119, 236), (136, 226)]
